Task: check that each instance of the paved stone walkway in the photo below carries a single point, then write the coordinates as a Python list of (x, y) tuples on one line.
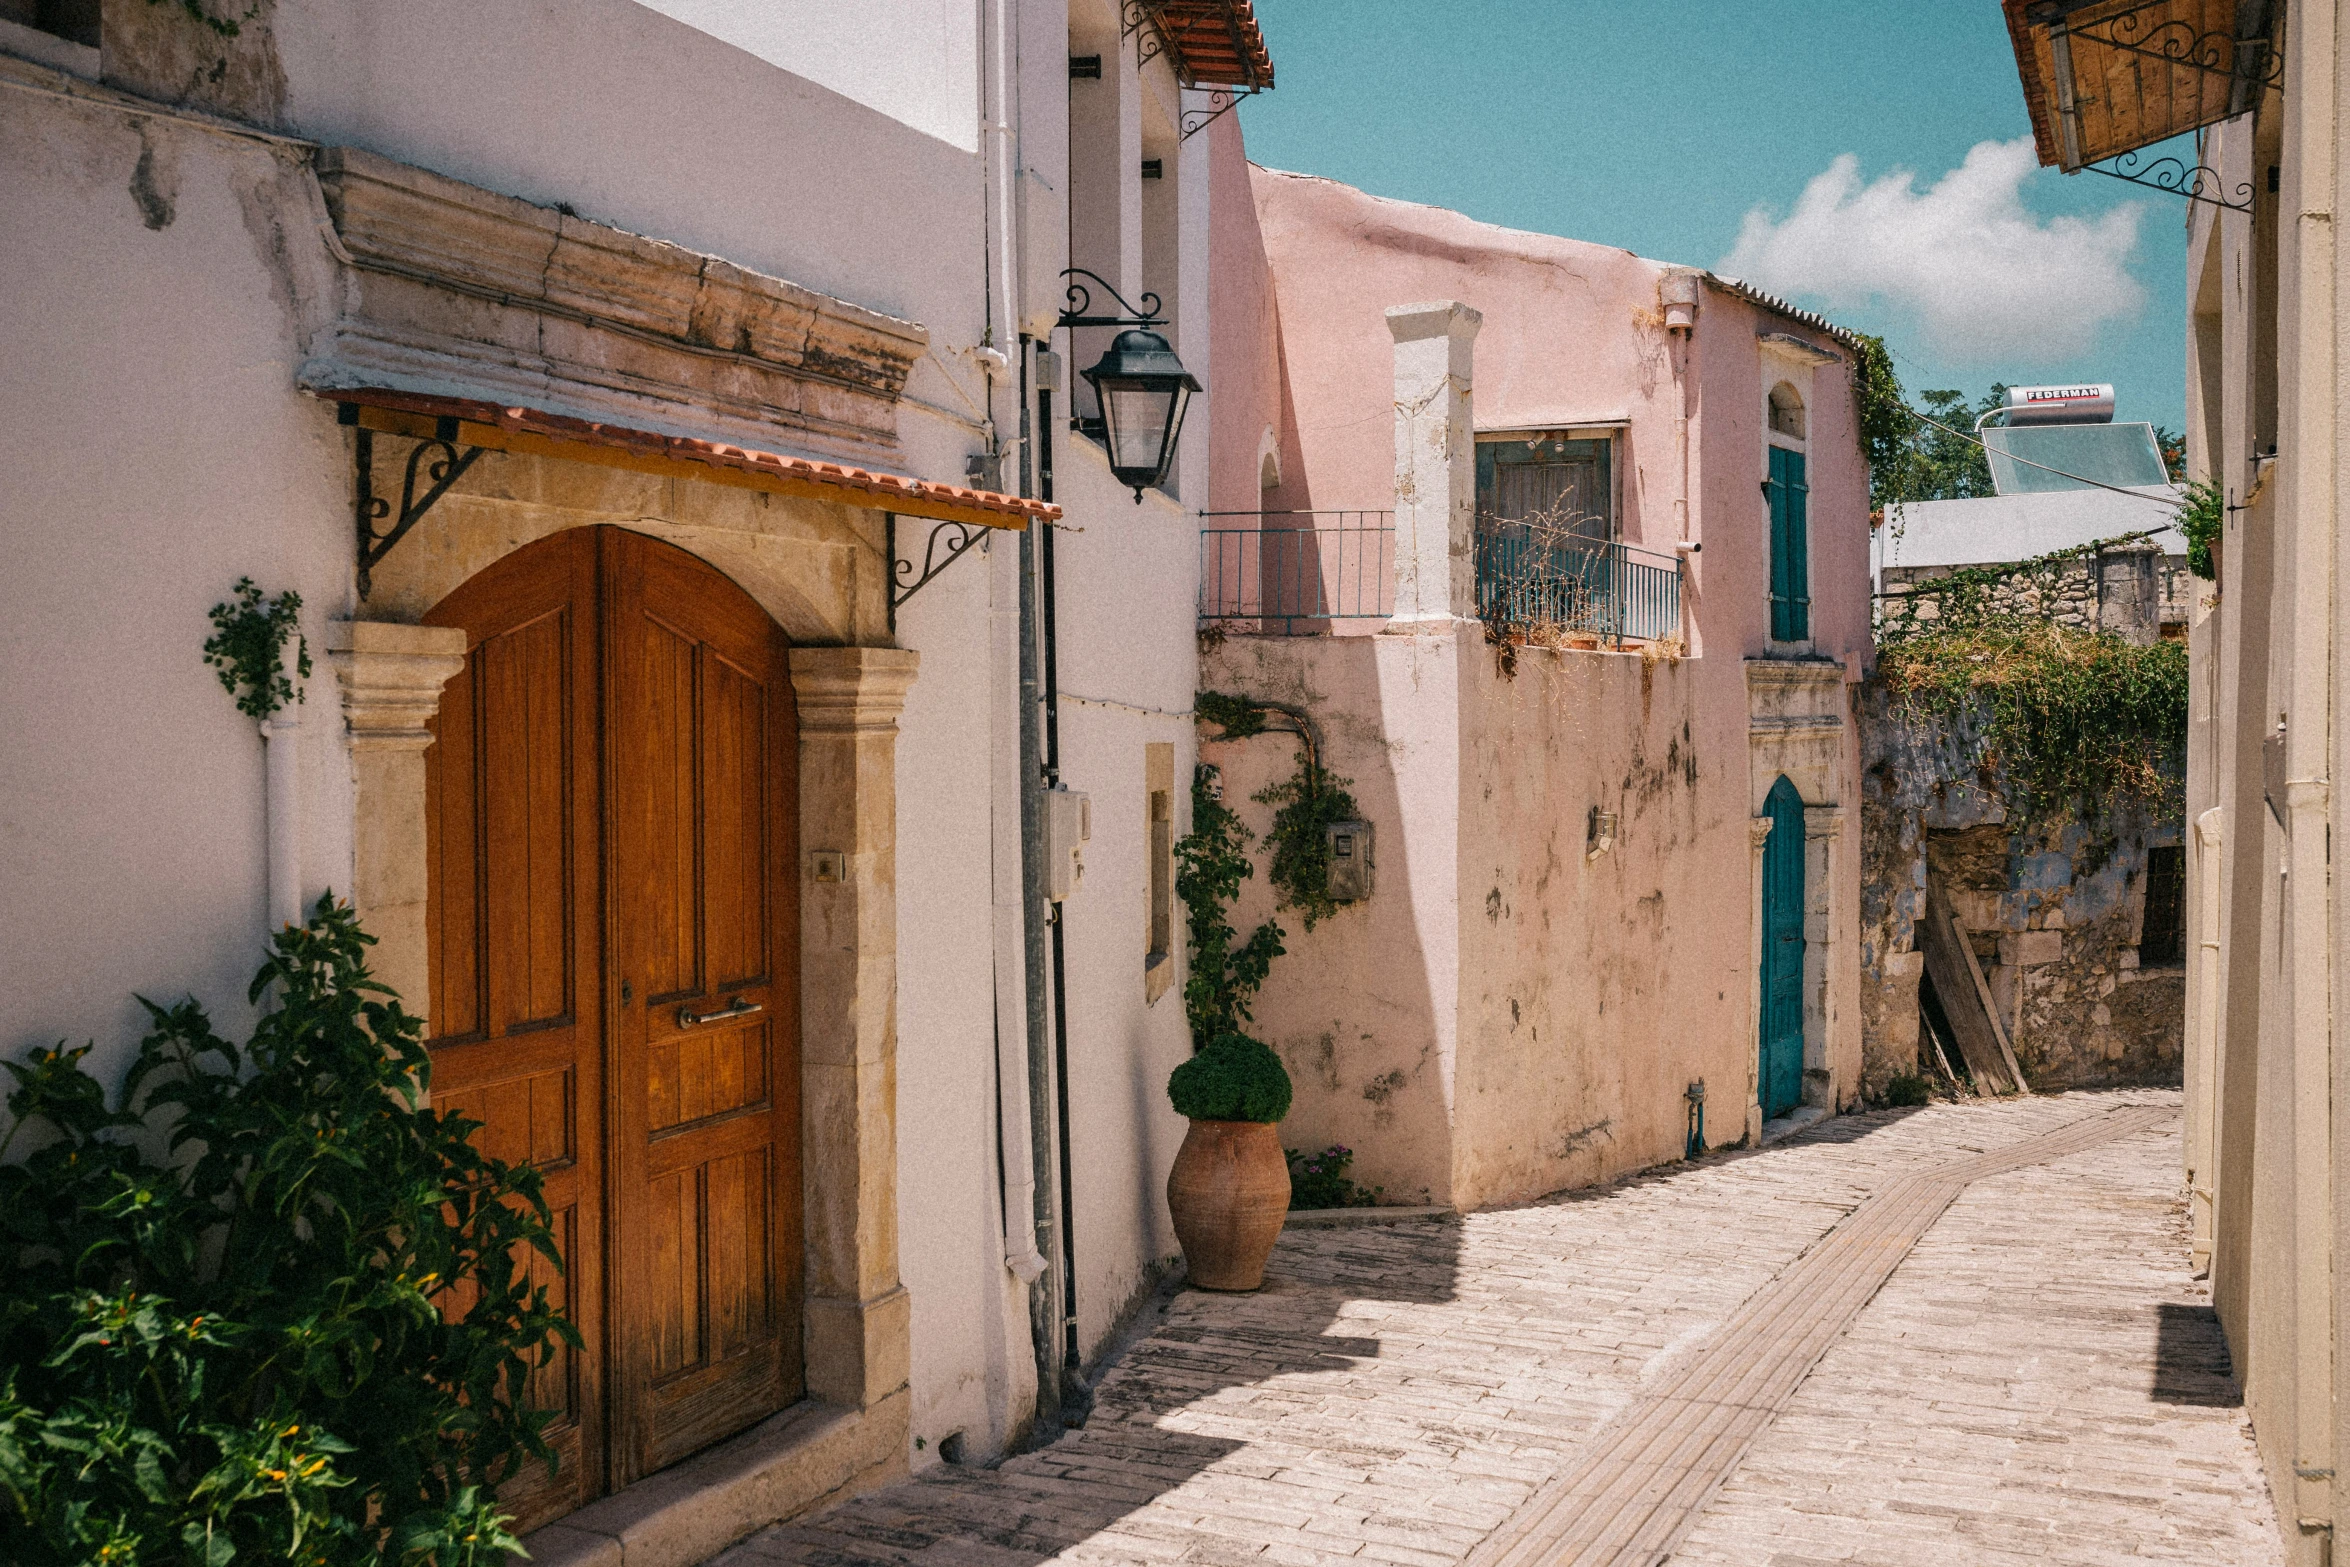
[(2037, 1382)]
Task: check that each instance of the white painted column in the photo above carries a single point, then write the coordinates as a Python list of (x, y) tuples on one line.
[(1435, 466)]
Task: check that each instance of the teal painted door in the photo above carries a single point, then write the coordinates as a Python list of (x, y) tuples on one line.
[(1782, 952), (1790, 548)]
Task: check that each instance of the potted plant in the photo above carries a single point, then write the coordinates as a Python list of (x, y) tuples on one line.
[(1229, 1190)]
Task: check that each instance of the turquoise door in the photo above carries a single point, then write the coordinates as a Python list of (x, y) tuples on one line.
[(1782, 952)]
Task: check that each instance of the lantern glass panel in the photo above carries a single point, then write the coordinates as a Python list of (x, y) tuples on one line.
[(1137, 420)]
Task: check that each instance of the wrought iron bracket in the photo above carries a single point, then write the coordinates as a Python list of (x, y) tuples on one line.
[(2174, 176), (1221, 101), (370, 508), (1078, 310), (904, 582)]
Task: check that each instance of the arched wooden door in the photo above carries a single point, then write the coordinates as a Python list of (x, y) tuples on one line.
[(611, 801), (1782, 952)]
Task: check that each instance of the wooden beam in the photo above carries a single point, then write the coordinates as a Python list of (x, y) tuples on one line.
[(1966, 997)]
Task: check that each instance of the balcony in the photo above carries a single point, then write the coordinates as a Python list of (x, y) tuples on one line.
[(1324, 573)]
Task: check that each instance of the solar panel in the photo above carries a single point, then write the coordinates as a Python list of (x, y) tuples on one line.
[(2123, 454)]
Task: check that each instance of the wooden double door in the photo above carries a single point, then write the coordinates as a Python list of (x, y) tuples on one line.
[(611, 804)]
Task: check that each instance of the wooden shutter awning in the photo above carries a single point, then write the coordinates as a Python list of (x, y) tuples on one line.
[(1213, 43), (2103, 78), (528, 430)]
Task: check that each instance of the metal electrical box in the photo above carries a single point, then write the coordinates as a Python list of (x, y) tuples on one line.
[(1068, 825), (1350, 860)]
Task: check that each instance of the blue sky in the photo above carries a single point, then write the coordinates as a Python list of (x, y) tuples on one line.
[(1661, 126)]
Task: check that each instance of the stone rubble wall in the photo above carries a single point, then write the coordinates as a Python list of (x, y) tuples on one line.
[(2133, 589), (2054, 912)]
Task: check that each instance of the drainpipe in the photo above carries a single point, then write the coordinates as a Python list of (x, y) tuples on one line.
[(1041, 1313), (281, 735), (2311, 500)]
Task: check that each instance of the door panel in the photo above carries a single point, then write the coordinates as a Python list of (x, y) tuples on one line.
[(611, 803), (512, 803), (706, 1122)]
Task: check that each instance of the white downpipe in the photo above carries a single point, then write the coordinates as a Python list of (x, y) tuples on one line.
[(281, 735), (1013, 1125)]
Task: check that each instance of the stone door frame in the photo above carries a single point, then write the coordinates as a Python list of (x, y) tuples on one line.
[(852, 1429)]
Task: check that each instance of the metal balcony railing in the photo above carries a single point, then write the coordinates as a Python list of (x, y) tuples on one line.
[(1295, 573), (1544, 578), (1303, 573)]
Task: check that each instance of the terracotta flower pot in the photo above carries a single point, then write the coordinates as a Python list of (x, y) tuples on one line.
[(1228, 1194)]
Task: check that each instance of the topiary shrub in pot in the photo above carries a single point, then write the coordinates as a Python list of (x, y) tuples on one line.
[(1229, 1190)]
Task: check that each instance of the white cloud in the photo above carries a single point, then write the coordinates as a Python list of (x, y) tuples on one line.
[(1985, 278)]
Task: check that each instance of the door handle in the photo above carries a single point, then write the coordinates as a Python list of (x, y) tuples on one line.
[(687, 1017)]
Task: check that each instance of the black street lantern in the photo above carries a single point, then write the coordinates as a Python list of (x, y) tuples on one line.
[(1144, 390)]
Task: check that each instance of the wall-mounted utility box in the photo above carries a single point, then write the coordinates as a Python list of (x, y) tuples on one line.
[(1350, 860), (1068, 826)]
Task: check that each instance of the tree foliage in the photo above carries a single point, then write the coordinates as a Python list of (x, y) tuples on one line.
[(262, 1306)]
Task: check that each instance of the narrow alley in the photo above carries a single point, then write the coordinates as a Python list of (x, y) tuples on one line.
[(2038, 1380)]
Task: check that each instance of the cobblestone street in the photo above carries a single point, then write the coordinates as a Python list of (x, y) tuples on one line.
[(2038, 1380)]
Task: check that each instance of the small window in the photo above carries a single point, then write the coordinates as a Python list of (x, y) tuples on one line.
[(1158, 958), (1786, 412), (2162, 938)]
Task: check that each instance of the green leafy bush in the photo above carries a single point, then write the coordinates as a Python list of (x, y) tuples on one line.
[(247, 643), (1235, 1078), (301, 1330), (2199, 519), (1305, 804), (1319, 1180)]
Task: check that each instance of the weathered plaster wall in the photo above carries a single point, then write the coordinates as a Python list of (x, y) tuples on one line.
[(2055, 915), (1507, 1015)]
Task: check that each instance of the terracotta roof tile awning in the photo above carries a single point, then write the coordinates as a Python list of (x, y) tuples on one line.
[(530, 431), (2107, 77), (1213, 43)]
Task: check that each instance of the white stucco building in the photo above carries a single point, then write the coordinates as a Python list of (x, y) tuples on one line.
[(695, 829)]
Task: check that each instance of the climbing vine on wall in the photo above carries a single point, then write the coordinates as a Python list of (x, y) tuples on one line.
[(1304, 805), (247, 646), (2073, 720), (1226, 972)]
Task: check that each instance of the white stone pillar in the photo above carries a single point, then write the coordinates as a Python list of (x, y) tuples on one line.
[(392, 677), (1435, 466)]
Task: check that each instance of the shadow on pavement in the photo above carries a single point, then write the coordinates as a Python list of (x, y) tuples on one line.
[(1159, 1418), (2191, 1364)]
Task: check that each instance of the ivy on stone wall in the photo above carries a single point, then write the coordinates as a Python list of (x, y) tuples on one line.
[(2072, 720)]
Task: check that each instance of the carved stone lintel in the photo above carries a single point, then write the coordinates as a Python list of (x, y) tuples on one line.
[(454, 285)]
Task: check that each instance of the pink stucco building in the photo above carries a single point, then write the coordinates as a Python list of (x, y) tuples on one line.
[(1607, 755)]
